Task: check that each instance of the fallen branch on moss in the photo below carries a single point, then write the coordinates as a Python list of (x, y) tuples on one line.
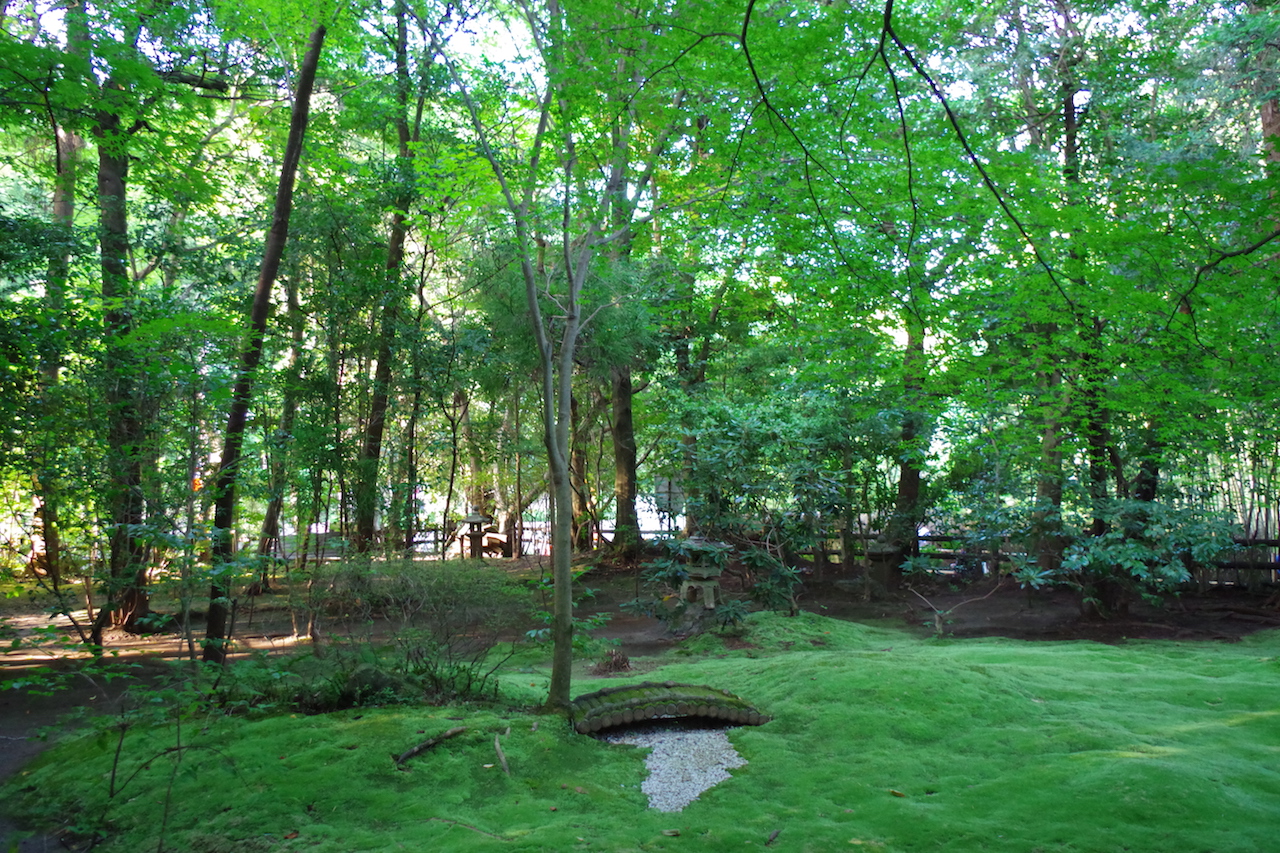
[(467, 826), (424, 746), (502, 758)]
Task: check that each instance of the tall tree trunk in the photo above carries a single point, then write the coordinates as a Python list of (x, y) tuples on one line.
[(47, 543), (48, 554), (228, 469), (902, 535), (454, 414), (517, 530), (627, 538), (578, 476), (269, 536), (409, 512), (557, 396), (1047, 517), (127, 598), (1269, 108), (371, 446), (370, 459), (1097, 440)]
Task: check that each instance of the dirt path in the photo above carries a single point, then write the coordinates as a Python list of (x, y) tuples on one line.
[(29, 719)]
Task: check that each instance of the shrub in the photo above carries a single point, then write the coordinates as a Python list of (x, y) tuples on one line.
[(448, 618), (1148, 549), (775, 583)]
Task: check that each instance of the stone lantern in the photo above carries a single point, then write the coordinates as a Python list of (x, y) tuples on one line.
[(475, 532), (703, 569)]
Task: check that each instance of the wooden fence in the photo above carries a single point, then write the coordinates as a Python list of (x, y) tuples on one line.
[(1259, 562), (1262, 563)]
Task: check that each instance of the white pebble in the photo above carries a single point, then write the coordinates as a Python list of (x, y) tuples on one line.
[(683, 762)]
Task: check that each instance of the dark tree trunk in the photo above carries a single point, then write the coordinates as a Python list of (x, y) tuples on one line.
[(627, 539), (1095, 426), (223, 549), (409, 511), (369, 462), (902, 535), (581, 525), (1047, 518), (127, 598), (1147, 481), (269, 537), (371, 447)]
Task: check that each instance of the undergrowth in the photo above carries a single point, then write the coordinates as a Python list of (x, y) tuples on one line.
[(880, 741)]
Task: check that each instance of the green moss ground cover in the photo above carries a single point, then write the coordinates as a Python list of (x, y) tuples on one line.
[(880, 741)]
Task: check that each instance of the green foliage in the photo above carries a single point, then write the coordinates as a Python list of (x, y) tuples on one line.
[(779, 469), (27, 244), (774, 584), (731, 613), (583, 643), (670, 571), (1148, 549), (447, 620)]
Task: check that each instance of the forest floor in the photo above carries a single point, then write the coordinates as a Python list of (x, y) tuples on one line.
[(982, 609)]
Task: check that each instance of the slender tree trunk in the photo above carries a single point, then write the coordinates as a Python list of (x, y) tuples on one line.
[(627, 538), (409, 512), (369, 462), (127, 598), (228, 469), (1097, 439), (507, 504), (578, 476), (475, 467), (48, 556), (269, 537), (1147, 481), (557, 396), (375, 427), (1047, 518), (517, 544)]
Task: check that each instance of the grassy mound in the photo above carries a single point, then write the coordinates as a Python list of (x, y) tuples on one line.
[(880, 741)]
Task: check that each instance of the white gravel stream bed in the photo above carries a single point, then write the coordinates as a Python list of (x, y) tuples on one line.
[(683, 761)]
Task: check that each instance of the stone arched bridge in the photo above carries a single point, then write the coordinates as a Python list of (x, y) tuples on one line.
[(618, 706)]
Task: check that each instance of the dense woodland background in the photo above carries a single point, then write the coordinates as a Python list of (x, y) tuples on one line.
[(819, 270)]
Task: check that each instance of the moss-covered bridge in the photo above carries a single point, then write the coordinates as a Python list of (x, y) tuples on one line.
[(636, 703)]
